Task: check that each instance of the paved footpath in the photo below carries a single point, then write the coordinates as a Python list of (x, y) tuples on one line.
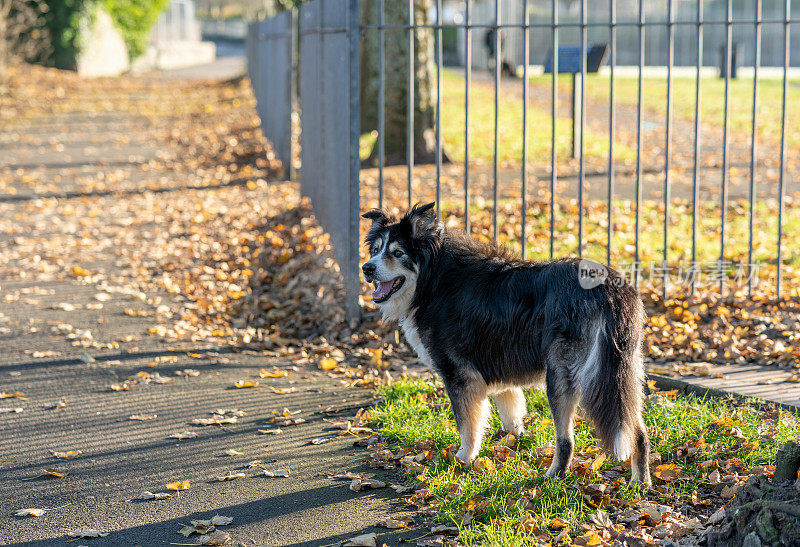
[(119, 457)]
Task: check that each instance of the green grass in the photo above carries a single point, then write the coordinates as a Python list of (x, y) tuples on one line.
[(481, 124), (407, 414), (711, 102), (597, 89)]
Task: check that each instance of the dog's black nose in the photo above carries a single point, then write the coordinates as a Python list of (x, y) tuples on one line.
[(368, 269)]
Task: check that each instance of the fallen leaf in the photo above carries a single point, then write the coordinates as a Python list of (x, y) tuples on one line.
[(282, 390), (147, 495), (270, 431), (231, 476), (667, 471), (217, 537), (29, 512), (232, 452), (246, 383), (67, 454), (589, 539), (143, 417), (483, 464), (557, 524), (274, 373), (177, 486), (327, 363), (277, 472), (364, 540), (395, 523), (14, 410), (184, 435), (366, 484), (444, 529)]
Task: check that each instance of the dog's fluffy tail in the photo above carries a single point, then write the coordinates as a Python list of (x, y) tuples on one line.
[(613, 395)]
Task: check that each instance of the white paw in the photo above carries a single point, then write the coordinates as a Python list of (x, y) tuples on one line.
[(518, 430), (465, 455), (552, 471)]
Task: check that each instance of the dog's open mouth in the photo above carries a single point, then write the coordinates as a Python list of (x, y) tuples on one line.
[(385, 289)]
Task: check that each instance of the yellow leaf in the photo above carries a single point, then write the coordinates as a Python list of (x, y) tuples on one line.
[(274, 373), (327, 363), (667, 471), (483, 464), (589, 539), (178, 485), (77, 271), (67, 454), (557, 524), (245, 383)]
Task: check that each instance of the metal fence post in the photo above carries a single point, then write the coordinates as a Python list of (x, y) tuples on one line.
[(352, 281)]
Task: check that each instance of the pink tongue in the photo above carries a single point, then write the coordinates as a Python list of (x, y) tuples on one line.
[(382, 289)]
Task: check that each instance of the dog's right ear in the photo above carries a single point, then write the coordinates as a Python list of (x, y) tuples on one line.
[(377, 216)]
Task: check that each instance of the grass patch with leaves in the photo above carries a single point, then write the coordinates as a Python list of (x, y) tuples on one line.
[(702, 449)]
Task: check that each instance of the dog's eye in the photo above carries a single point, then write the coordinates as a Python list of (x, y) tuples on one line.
[(397, 253)]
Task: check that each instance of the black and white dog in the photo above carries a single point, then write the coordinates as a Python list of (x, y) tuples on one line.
[(491, 324)]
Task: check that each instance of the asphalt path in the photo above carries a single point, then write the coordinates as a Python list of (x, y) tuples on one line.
[(119, 457)]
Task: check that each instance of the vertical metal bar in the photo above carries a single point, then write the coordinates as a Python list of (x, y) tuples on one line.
[(668, 142), (354, 99), (525, 60), (438, 105), (381, 105), (410, 100), (581, 161), (639, 118), (553, 116), (612, 63), (753, 149), (497, 64), (696, 161), (725, 143), (787, 10), (467, 77)]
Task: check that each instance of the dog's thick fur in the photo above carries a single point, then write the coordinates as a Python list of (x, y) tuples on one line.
[(491, 325)]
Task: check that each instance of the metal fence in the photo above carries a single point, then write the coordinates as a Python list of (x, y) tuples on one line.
[(270, 46), (330, 39)]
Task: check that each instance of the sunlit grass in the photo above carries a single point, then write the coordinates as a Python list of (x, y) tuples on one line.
[(414, 409), (712, 106)]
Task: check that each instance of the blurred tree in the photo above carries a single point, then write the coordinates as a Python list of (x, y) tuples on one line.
[(22, 32), (396, 81)]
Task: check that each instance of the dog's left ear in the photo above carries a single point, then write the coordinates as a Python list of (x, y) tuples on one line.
[(423, 220), (377, 216)]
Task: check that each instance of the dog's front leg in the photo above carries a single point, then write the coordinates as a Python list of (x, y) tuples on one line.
[(511, 408), (471, 409)]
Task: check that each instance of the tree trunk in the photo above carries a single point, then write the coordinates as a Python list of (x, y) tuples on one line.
[(396, 81)]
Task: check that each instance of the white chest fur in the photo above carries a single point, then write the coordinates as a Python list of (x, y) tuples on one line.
[(411, 333)]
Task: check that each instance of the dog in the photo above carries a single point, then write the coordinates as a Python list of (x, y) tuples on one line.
[(492, 325)]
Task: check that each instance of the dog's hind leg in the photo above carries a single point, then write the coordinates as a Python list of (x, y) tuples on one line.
[(640, 457), (511, 408), (563, 399), (471, 409)]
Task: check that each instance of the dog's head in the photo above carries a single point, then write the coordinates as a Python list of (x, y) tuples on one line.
[(398, 250)]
